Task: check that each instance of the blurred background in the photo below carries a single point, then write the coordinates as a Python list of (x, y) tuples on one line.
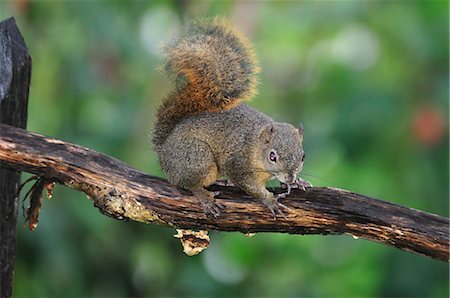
[(369, 80)]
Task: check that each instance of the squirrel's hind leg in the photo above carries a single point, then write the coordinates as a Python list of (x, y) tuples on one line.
[(192, 169), (206, 177)]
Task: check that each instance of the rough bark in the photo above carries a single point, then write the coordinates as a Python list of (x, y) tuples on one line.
[(122, 192), (15, 73)]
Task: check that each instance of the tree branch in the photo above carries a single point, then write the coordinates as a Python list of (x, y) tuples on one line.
[(125, 193)]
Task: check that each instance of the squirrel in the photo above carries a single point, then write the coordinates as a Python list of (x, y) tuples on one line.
[(204, 132)]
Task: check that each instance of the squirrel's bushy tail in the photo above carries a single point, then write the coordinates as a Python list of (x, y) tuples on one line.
[(214, 69)]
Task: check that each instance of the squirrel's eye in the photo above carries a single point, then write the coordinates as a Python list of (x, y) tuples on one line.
[(273, 156), (303, 157)]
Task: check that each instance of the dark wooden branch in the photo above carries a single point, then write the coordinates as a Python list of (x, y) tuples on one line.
[(15, 73), (125, 193)]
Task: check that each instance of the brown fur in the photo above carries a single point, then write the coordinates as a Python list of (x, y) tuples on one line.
[(214, 69)]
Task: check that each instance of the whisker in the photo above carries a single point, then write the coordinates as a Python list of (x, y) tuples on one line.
[(315, 177), (309, 175)]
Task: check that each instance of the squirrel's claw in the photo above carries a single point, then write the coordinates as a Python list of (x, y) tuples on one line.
[(212, 208), (302, 184), (299, 183), (274, 207)]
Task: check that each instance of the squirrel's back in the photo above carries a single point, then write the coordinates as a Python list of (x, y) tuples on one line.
[(227, 134), (240, 122), (213, 68)]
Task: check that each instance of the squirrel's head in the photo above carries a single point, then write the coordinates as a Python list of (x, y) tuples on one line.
[(282, 151)]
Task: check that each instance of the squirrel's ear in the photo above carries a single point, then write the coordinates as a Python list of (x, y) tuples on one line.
[(266, 133), (300, 129)]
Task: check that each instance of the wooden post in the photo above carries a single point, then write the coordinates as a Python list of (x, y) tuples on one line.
[(15, 74)]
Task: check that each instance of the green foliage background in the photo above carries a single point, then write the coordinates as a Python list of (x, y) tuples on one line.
[(369, 80)]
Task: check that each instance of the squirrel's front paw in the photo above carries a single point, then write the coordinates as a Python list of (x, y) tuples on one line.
[(274, 207), (299, 183), (302, 184)]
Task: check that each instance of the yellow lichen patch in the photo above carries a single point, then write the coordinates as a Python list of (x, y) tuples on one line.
[(120, 205)]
